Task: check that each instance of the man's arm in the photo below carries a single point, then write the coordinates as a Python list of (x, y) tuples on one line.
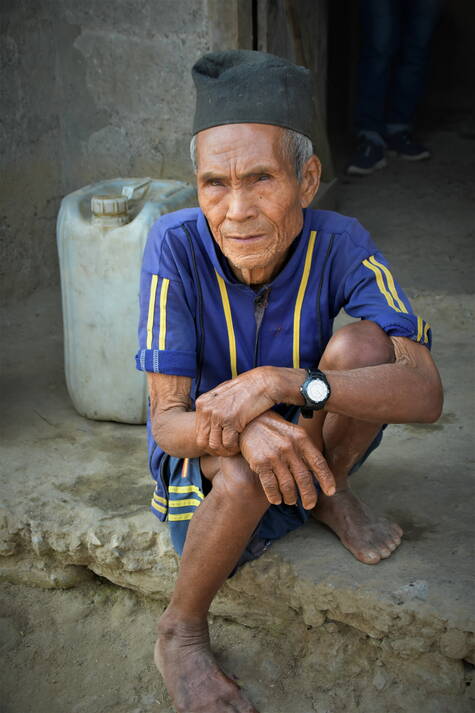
[(406, 391), (173, 424), (281, 453)]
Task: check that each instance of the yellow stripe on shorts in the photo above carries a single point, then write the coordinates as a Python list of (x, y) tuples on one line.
[(184, 503), (185, 489), (180, 517)]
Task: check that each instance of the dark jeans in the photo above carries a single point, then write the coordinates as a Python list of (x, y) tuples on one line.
[(395, 38)]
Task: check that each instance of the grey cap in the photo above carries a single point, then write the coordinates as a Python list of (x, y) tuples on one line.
[(246, 87)]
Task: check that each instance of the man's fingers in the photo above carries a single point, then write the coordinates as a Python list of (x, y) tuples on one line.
[(320, 468), (304, 479), (270, 487), (286, 483), (203, 423), (215, 439), (230, 438)]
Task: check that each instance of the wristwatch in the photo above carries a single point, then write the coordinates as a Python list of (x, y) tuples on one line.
[(316, 392)]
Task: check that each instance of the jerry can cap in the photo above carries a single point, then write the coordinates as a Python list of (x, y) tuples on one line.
[(109, 206)]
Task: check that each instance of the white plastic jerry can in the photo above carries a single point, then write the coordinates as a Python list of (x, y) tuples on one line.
[(101, 233)]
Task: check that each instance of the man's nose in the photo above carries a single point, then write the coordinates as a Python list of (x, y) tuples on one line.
[(240, 205)]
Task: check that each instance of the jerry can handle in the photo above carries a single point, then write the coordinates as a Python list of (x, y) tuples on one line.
[(131, 191)]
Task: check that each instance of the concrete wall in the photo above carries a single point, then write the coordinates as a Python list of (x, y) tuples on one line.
[(92, 90)]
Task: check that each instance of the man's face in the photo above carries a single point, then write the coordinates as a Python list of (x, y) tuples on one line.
[(250, 195)]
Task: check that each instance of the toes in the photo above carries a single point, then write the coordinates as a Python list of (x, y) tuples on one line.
[(385, 552), (396, 531), (368, 557)]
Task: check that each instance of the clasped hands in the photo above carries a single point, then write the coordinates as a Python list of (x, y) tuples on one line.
[(235, 417)]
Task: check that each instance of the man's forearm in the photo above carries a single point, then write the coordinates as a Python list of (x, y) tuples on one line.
[(174, 431), (388, 393), (172, 422), (406, 391)]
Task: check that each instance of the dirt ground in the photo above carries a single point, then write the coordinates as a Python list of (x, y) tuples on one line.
[(89, 649)]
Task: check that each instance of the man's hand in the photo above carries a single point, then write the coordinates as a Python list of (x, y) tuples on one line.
[(285, 460), (223, 413)]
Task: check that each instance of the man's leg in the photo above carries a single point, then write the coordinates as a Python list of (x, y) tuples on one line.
[(345, 440), (219, 532)]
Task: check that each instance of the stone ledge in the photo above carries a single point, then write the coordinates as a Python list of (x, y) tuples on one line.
[(75, 496)]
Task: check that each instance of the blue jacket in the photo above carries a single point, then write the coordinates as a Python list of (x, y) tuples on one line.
[(198, 320)]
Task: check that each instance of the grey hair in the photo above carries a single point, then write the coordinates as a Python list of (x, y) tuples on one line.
[(296, 147)]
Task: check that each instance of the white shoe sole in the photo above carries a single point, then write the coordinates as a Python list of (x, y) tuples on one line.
[(406, 157), (357, 171)]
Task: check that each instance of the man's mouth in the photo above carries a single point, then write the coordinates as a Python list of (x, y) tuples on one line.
[(246, 238)]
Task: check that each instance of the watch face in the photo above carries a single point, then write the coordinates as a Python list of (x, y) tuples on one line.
[(317, 390)]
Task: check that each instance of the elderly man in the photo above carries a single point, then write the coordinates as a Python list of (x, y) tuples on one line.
[(257, 413)]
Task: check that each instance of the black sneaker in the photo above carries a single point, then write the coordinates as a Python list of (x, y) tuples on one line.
[(402, 144), (368, 157)]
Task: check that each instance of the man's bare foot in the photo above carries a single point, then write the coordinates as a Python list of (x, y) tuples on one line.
[(368, 537), (192, 677)]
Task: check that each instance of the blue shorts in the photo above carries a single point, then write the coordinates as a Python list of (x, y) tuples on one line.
[(187, 487)]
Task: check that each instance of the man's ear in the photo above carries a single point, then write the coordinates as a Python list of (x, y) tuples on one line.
[(310, 180)]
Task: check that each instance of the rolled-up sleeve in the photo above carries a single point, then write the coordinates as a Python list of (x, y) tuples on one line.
[(167, 334)]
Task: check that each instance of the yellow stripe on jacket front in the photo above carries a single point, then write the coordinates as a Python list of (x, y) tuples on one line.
[(300, 298), (229, 325)]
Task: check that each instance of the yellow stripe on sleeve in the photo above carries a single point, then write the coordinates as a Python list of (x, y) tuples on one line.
[(163, 313), (151, 310), (391, 285), (380, 282), (426, 332), (181, 516), (420, 326), (229, 324), (300, 298), (185, 490), (159, 499)]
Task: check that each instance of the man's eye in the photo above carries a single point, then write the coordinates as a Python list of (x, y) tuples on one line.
[(263, 177)]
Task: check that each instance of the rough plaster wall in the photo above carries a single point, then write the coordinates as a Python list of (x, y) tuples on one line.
[(88, 91)]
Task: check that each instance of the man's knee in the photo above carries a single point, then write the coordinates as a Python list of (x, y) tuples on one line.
[(236, 480), (357, 345)]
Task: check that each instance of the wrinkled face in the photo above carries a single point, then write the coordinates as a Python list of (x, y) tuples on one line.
[(250, 195)]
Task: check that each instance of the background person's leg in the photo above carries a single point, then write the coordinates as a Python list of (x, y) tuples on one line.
[(409, 76), (379, 30)]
